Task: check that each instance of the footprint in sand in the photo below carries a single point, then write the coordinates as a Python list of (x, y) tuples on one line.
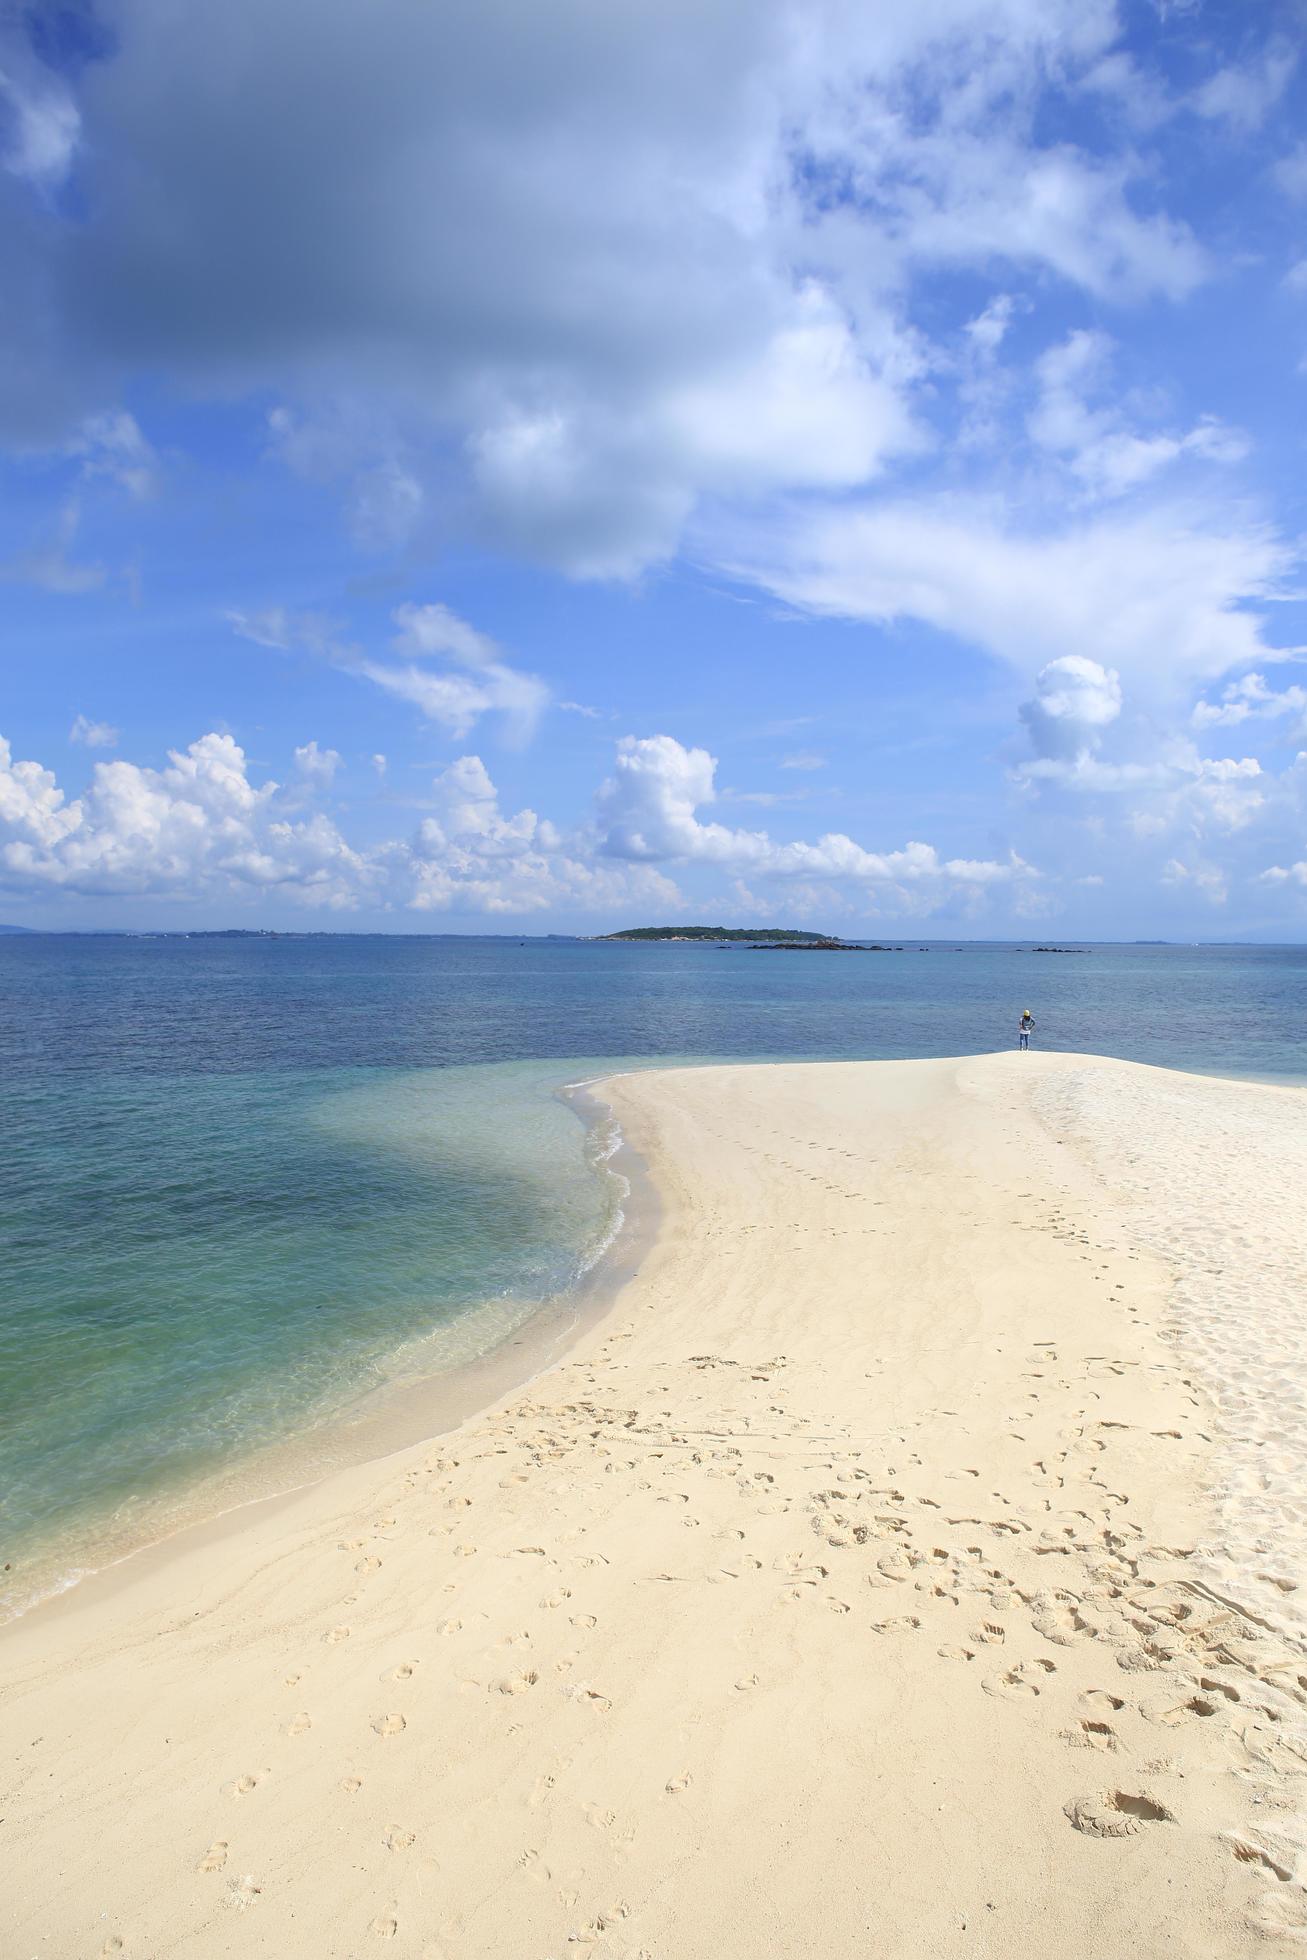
[(450, 1626), (1091, 1733), (388, 1724), (403, 1672), (1023, 1679), (584, 1620), (1172, 1714), (349, 1784), (242, 1892), (384, 1926), (1097, 1701), (516, 1684), (395, 1839), (299, 1725), (369, 1564), (214, 1858), (336, 1634), (241, 1787), (112, 1945), (590, 1696), (1116, 1813), (676, 1784)]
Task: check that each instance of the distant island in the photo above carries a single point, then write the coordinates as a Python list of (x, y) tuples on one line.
[(725, 935)]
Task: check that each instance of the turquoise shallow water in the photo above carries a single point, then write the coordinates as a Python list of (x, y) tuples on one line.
[(244, 1181)]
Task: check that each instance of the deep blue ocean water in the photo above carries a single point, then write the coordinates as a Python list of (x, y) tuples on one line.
[(244, 1180)]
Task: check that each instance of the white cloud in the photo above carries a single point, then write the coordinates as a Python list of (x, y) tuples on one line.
[(1161, 595), (201, 828), (112, 445), (1290, 172), (317, 766), (647, 812), (1282, 874), (93, 734), (199, 824), (988, 329), (1099, 447), (803, 759), (380, 764), (44, 125), (435, 629), (487, 684), (1251, 698), (456, 701), (471, 856), (1075, 700), (568, 287), (1244, 95), (1206, 879), (386, 506)]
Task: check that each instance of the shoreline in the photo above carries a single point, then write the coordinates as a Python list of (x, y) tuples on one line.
[(861, 1571), (396, 1415)]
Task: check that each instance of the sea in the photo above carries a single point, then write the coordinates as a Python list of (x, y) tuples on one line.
[(249, 1183)]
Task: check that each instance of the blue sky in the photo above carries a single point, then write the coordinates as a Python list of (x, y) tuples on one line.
[(491, 468)]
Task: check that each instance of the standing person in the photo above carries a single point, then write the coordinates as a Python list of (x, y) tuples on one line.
[(1025, 1027)]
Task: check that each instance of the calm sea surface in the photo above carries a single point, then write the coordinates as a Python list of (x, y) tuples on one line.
[(242, 1181)]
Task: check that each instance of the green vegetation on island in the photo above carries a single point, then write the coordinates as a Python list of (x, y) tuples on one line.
[(729, 935)]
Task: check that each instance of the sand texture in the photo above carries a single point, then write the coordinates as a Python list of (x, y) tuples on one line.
[(904, 1567)]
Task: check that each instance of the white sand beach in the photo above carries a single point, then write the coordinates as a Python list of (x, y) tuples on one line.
[(904, 1565)]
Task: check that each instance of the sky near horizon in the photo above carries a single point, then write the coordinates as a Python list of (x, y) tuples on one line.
[(836, 464)]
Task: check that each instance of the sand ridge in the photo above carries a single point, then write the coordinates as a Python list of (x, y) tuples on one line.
[(847, 1590)]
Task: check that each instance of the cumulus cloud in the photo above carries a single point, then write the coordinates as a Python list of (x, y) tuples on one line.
[(647, 812), (317, 766), (93, 734), (201, 826), (1206, 879), (1252, 698), (1075, 700), (197, 824)]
